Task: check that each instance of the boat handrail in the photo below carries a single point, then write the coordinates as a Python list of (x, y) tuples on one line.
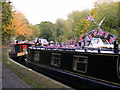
[(85, 49)]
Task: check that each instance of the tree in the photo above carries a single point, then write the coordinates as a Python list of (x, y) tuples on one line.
[(77, 20), (20, 25), (59, 29), (46, 30), (6, 20), (110, 11), (81, 27), (35, 30), (68, 32)]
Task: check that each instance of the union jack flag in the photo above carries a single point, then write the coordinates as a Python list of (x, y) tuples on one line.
[(71, 41), (85, 40), (95, 32), (89, 17), (111, 40), (106, 35), (63, 44), (81, 38), (90, 37), (101, 32), (86, 34), (75, 41), (114, 37)]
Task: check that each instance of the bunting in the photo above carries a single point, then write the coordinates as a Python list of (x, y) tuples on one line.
[(86, 34), (90, 37), (74, 41), (63, 44), (71, 41), (106, 35), (114, 37), (111, 40), (81, 38), (101, 33), (95, 32), (85, 40)]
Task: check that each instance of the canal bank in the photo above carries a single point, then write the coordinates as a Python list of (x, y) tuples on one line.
[(31, 78)]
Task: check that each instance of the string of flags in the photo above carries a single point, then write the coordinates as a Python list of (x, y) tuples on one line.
[(96, 32), (100, 32), (88, 36)]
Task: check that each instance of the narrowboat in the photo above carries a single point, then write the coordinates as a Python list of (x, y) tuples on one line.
[(81, 67), (19, 50)]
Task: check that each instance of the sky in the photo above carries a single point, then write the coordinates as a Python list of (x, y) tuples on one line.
[(37, 11)]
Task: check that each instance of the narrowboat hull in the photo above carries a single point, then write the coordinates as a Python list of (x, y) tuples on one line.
[(70, 78), (94, 70)]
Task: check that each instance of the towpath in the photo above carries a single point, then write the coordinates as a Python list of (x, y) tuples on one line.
[(11, 80)]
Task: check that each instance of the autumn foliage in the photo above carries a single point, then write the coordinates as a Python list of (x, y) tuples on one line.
[(14, 24), (20, 25)]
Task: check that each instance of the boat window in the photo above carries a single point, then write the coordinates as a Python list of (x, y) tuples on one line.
[(55, 59), (97, 41), (36, 56), (87, 43), (91, 44), (80, 63), (17, 48), (105, 41), (23, 48)]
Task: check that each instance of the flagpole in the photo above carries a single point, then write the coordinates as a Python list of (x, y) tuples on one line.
[(90, 18), (101, 22)]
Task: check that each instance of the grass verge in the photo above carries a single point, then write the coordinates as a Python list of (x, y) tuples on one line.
[(31, 78), (15, 68)]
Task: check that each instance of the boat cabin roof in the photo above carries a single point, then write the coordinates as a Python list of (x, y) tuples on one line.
[(23, 44)]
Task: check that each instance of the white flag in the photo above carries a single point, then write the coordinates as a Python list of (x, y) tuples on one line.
[(101, 22)]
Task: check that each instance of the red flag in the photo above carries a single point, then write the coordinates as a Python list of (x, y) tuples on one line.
[(63, 44), (111, 40), (85, 40), (86, 34), (71, 41), (90, 36), (81, 38), (101, 32), (95, 32), (74, 40), (58, 45), (106, 35), (68, 43), (114, 37), (53, 46)]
